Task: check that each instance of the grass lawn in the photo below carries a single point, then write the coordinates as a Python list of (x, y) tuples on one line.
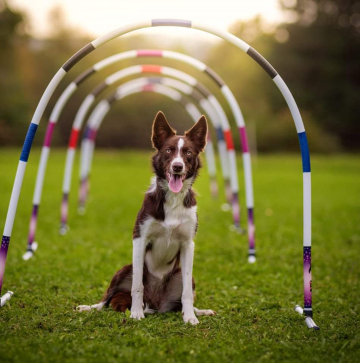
[(255, 319)]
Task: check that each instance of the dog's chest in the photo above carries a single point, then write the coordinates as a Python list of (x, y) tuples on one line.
[(167, 236), (178, 225)]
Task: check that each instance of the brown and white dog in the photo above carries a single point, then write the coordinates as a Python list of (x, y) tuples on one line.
[(164, 232)]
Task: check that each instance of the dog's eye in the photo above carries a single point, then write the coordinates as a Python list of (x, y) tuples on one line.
[(168, 151), (188, 153)]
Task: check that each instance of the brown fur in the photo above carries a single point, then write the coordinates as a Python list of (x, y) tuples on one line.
[(165, 294), (164, 137), (161, 296), (121, 301)]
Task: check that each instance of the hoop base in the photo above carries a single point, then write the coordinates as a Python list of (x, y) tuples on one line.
[(226, 207), (214, 189), (299, 309), (6, 297), (64, 228), (237, 229), (29, 253), (311, 324), (81, 210), (308, 320)]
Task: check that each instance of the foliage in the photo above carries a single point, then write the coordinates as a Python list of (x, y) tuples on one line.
[(316, 51), (12, 105), (255, 321), (324, 49)]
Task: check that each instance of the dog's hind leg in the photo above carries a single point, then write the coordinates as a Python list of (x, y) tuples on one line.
[(204, 312), (98, 307), (147, 310), (119, 291)]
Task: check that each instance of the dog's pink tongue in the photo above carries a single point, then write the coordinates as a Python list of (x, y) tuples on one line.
[(175, 183)]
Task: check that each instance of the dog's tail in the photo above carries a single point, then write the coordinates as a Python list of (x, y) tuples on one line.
[(118, 294)]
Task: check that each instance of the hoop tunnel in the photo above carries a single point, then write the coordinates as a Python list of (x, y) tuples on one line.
[(117, 76), (222, 145), (96, 117), (179, 23)]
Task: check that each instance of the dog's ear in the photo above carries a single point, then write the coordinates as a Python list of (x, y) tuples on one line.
[(198, 133), (161, 131)]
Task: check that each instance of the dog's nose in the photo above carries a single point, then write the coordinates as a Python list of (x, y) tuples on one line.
[(177, 167)]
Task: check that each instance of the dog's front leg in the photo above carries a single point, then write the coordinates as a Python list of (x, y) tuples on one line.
[(137, 289), (187, 299)]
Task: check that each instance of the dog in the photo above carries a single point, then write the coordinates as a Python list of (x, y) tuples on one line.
[(163, 236)]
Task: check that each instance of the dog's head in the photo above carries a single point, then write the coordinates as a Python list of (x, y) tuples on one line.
[(177, 157)]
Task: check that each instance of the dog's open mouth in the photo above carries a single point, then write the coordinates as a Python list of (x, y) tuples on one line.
[(175, 181)]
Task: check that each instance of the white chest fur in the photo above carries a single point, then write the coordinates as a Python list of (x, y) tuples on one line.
[(166, 237)]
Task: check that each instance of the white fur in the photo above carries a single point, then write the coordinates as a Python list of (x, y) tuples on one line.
[(178, 158), (204, 312), (137, 289), (152, 187), (98, 307), (187, 298), (167, 237)]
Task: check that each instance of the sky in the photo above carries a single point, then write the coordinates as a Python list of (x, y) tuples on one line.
[(101, 16)]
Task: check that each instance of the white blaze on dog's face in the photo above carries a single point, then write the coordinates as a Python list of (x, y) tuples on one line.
[(177, 157)]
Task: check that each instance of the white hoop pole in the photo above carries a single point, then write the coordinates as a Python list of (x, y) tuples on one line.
[(92, 126), (209, 29), (131, 87), (141, 84), (117, 76), (72, 88)]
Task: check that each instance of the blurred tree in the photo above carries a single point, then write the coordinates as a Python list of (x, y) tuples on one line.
[(318, 55), (260, 101), (316, 51), (13, 106)]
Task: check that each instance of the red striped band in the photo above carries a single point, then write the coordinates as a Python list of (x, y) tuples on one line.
[(149, 68), (73, 138), (229, 140)]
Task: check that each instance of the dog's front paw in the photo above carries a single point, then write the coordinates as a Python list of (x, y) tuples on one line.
[(191, 318), (137, 314)]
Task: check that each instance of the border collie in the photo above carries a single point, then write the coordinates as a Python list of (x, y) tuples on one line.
[(164, 232)]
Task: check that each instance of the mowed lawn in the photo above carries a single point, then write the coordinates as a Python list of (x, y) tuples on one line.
[(255, 319)]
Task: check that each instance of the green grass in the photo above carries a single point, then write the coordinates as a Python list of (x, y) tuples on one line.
[(255, 320)]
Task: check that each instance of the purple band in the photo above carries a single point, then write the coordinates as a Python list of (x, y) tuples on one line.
[(307, 278), (236, 209), (33, 222), (244, 140), (64, 208), (214, 187), (83, 191), (228, 191), (3, 253), (92, 134), (49, 132), (251, 229), (86, 132)]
